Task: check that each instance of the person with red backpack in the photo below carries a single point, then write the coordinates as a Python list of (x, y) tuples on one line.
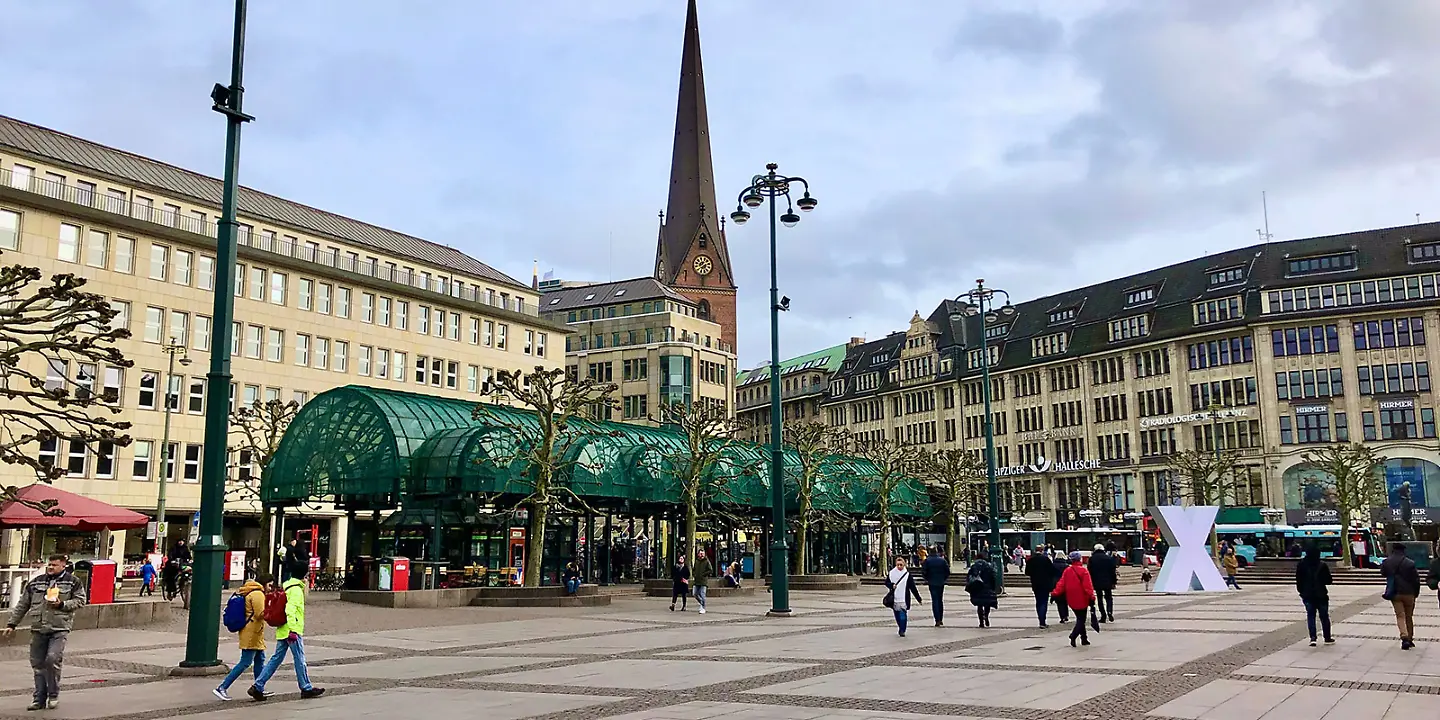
[(245, 615), (288, 617)]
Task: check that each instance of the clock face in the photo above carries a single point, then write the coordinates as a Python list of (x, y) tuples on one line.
[(703, 265)]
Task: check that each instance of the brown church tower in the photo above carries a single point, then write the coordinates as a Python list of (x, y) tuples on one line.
[(692, 256)]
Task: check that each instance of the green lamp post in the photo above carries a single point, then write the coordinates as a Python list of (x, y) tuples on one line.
[(775, 186)]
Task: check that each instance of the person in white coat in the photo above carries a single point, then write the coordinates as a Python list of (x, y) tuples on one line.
[(902, 585)]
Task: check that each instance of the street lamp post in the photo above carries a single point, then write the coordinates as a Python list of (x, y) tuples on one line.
[(981, 301), (173, 348), (202, 639), (775, 186)]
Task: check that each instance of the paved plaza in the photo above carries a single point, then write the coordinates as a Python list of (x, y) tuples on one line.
[(1228, 656)]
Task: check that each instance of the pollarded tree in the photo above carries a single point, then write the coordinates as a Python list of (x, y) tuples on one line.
[(543, 448), (956, 479), (707, 431), (1203, 477), (54, 339), (257, 430), (892, 461), (813, 443), (1353, 471)]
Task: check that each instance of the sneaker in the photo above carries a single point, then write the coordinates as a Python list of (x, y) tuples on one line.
[(1312, 643), (702, 611), (37, 705), (256, 694), (1084, 641), (672, 607), (221, 693), (1330, 641), (52, 703), (311, 693)]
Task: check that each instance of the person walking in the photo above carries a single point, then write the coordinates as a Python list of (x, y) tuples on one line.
[(251, 637), (1231, 563), (1018, 555), (936, 570), (147, 578), (289, 637), (1042, 580), (701, 581), (1312, 576), (899, 580), (1077, 591), (55, 595), (980, 583), (679, 584), (1402, 588), (1105, 574), (1059, 563)]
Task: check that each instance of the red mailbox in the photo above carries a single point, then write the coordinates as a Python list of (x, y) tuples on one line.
[(395, 574), (102, 581)]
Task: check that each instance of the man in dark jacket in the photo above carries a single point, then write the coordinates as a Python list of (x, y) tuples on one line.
[(1312, 576), (1104, 573), (1059, 563), (1042, 581), (1402, 588), (936, 570)]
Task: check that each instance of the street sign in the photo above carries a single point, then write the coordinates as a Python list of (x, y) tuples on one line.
[(161, 530)]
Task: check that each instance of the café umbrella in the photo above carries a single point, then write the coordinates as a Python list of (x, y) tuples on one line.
[(68, 511)]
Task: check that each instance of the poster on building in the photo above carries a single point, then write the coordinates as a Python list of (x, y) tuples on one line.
[(1309, 496), (1310, 492)]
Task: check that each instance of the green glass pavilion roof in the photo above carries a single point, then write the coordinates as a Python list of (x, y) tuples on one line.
[(376, 447)]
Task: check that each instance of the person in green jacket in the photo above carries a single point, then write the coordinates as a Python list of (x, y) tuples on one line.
[(289, 638), (701, 581)]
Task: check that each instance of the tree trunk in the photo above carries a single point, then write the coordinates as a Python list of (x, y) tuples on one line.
[(692, 518), (883, 562), (802, 552), (1348, 559), (534, 543), (951, 535)]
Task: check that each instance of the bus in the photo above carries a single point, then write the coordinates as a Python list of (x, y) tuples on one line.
[(1252, 540)]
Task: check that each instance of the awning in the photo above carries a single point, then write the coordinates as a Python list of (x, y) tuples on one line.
[(74, 511)]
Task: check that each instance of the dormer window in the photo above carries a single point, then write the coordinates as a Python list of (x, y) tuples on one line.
[(1334, 262), (1046, 345), (1227, 275), (1063, 315), (996, 331), (1425, 252), (1139, 296), (1129, 328)]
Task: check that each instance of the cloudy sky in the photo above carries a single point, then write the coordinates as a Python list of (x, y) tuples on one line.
[(1041, 145)]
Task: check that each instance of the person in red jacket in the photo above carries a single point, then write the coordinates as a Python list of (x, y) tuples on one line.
[(1076, 590)]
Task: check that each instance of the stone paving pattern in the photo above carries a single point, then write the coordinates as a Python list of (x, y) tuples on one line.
[(1239, 655)]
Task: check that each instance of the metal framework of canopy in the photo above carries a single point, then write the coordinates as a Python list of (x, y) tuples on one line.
[(373, 448)]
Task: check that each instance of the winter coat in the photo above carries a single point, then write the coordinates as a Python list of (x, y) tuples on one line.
[(703, 571), (1042, 574), (49, 619), (1406, 574), (294, 609), (901, 594), (252, 636), (935, 570), (1311, 579), (1076, 587), (980, 583), (679, 575), (1230, 563), (1104, 570)]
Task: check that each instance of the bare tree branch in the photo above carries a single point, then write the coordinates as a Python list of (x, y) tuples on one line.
[(708, 433), (892, 460), (1352, 470), (1205, 478), (956, 479), (813, 443)]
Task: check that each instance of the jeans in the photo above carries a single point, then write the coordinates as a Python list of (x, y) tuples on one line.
[(1042, 603), (1404, 618), (47, 653), (572, 586), (937, 602), (248, 658), (700, 591), (1105, 600), (1230, 580), (1321, 608), (1079, 630), (302, 671), (902, 618)]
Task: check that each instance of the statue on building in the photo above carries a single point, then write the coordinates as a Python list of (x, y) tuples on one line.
[(1407, 532)]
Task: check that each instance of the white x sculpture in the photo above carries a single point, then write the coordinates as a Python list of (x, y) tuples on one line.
[(1187, 566)]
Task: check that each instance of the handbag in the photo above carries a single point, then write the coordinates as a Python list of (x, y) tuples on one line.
[(1389, 593)]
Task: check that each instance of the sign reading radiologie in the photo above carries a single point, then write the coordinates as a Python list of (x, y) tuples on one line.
[(1205, 416)]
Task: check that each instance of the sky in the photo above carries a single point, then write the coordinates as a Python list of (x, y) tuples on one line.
[(1042, 146)]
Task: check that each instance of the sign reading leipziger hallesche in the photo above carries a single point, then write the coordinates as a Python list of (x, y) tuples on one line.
[(1204, 416), (1046, 465)]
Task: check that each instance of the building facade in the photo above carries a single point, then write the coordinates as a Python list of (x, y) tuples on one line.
[(802, 388), (320, 301), (1270, 350), (647, 339)]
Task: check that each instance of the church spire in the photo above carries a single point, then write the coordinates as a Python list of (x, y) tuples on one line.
[(691, 208)]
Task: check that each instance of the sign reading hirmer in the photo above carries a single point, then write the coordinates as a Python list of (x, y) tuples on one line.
[(1204, 416), (1045, 465)]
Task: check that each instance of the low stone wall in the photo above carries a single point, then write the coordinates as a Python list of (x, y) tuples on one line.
[(449, 597), (822, 583), (129, 613), (716, 589), (549, 596)]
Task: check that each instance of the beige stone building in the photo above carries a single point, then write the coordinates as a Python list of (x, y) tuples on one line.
[(646, 338), (320, 301), (1271, 350), (802, 388)]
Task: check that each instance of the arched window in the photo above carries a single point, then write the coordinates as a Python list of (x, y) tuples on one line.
[(704, 310)]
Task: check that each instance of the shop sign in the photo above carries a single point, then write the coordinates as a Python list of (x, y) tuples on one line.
[(1310, 409), (1056, 434), (1205, 416), (1046, 465), (1398, 404), (1312, 516)]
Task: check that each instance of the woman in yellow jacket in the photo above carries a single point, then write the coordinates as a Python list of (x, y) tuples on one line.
[(252, 636)]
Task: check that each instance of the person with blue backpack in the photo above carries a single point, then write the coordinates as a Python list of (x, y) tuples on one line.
[(245, 615)]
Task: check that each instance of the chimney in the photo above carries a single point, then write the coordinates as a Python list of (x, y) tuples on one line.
[(855, 342), (535, 277)]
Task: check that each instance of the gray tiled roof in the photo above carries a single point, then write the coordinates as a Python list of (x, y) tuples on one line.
[(25, 138), (620, 291)]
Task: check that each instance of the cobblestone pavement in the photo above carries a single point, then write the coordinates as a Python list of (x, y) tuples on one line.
[(1217, 656)]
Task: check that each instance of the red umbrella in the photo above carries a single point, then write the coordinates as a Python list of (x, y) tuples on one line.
[(80, 512)]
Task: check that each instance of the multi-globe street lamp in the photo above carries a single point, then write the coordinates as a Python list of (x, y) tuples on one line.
[(774, 186), (981, 301)]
